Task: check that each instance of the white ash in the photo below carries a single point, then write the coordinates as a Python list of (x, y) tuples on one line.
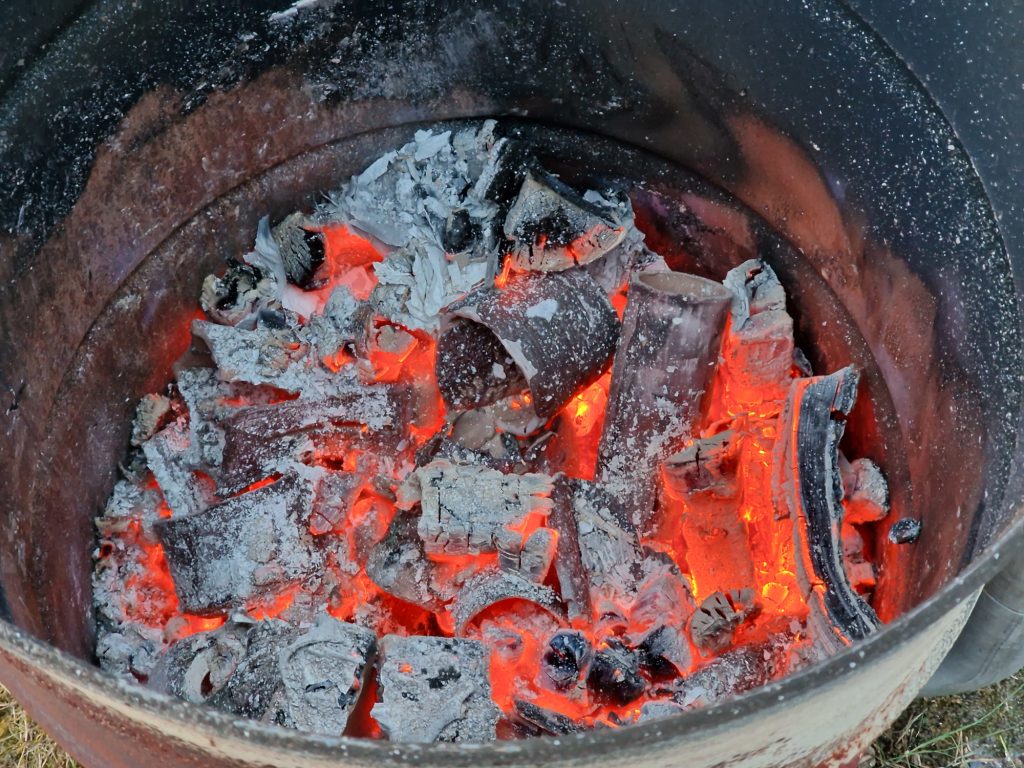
[(435, 689), (405, 200), (169, 457)]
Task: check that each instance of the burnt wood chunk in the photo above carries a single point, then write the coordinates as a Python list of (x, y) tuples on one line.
[(663, 364), (474, 509), (598, 552), (534, 559), (567, 656), (169, 458), (719, 615), (538, 721), (490, 587), (398, 564), (323, 672), (758, 353), (906, 530), (238, 296), (558, 329), (867, 492), (552, 227), (810, 489), (254, 689), (734, 672), (152, 413), (197, 667), (701, 488), (335, 494), (615, 672), (435, 689), (342, 323), (301, 247), (243, 548)]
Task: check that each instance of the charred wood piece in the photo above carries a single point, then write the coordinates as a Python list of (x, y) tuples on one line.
[(534, 559), (719, 615), (323, 673), (342, 323), (663, 363), (490, 587), (151, 415), (758, 354), (198, 667), (552, 227), (254, 689), (169, 458), (906, 530), (701, 482), (398, 564), (615, 672), (335, 494), (538, 721), (567, 656), (301, 247), (277, 357), (435, 689), (867, 492), (597, 551), (237, 297), (472, 509), (734, 672), (241, 549), (808, 478), (665, 652), (559, 331)]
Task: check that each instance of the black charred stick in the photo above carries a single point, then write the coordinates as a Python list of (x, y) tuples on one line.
[(664, 360), (538, 721), (559, 331), (810, 488)]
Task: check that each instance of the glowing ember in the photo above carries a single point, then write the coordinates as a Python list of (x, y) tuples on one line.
[(553, 484)]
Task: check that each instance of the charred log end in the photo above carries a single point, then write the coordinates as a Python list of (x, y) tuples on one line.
[(473, 368)]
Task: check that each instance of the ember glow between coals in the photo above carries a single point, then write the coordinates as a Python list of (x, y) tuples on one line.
[(434, 412)]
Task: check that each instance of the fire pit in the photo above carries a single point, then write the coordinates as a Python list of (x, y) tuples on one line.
[(886, 278)]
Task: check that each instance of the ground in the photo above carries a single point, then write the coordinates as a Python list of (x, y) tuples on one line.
[(980, 730)]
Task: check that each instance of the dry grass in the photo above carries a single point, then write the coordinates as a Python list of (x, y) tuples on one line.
[(980, 730)]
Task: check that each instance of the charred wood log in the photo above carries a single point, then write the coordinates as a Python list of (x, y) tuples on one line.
[(758, 353), (719, 615), (323, 673), (538, 721), (663, 363), (559, 331), (490, 587), (169, 458), (399, 564), (810, 489), (700, 485), (241, 549), (552, 227), (473, 509), (435, 689)]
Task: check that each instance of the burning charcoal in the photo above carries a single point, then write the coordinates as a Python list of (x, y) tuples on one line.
[(558, 329), (657, 709), (702, 480), (241, 549), (198, 667), (758, 352), (324, 672), (665, 652), (867, 492), (470, 509), (906, 530), (237, 297), (732, 673), (460, 231), (302, 249), (254, 689), (168, 457), (539, 721), (343, 321), (663, 363), (807, 474), (598, 552), (553, 227), (435, 689), (335, 494), (399, 564), (488, 588), (719, 614), (568, 654), (615, 672), (127, 654), (535, 558), (151, 415)]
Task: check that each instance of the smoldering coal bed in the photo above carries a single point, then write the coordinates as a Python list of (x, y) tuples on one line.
[(460, 455)]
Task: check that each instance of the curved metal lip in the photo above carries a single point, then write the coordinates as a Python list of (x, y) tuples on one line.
[(602, 742)]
